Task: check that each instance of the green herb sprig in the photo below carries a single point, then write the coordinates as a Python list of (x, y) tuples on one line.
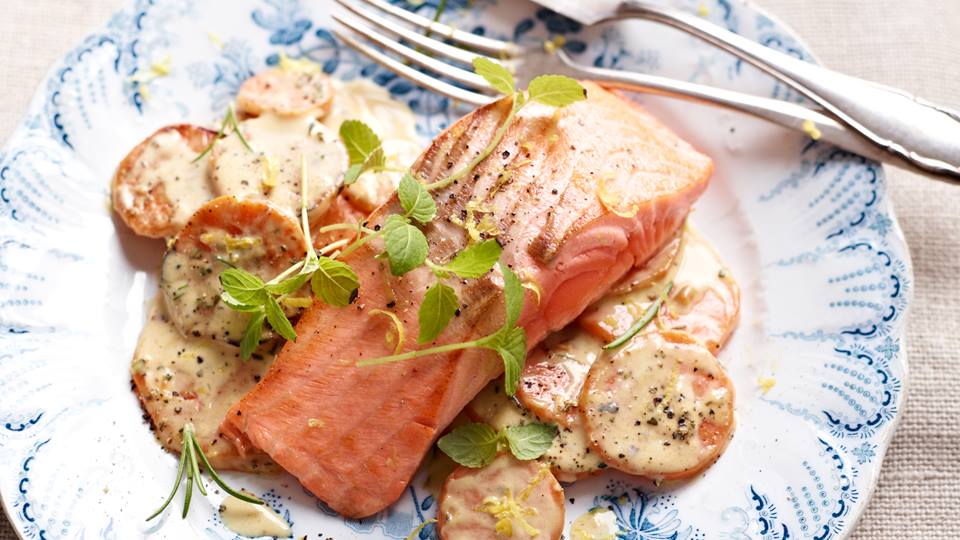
[(191, 456), (509, 341), (476, 445), (405, 244), (644, 319), (230, 124), (553, 90), (332, 281), (440, 303)]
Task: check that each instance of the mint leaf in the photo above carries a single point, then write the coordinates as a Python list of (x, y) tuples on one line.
[(244, 287), (415, 199), (475, 260), (498, 76), (352, 173), (471, 445), (310, 263), (405, 244), (556, 90), (530, 441), (438, 307), (251, 336), (278, 321), (237, 305), (363, 145), (512, 295), (511, 345), (288, 285), (335, 282)]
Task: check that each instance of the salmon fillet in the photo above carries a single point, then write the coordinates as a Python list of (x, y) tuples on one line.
[(577, 197)]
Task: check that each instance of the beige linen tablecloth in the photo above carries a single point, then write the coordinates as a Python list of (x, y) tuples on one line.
[(912, 44)]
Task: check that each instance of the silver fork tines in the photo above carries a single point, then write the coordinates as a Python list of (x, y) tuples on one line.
[(417, 38), (468, 78), (407, 72), (493, 47), (453, 48)]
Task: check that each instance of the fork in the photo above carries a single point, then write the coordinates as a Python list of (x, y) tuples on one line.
[(392, 28)]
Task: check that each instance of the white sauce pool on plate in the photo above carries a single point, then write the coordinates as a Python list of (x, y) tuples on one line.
[(597, 524), (253, 520)]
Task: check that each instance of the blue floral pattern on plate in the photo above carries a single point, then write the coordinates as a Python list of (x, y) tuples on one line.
[(807, 228)]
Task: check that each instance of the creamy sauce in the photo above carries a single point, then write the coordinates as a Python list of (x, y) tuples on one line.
[(273, 170), (551, 382), (253, 520), (597, 524), (570, 456), (438, 466), (166, 162), (658, 407), (700, 270), (654, 271), (391, 120), (186, 379), (506, 499)]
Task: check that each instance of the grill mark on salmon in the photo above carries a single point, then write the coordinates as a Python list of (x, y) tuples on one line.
[(354, 436)]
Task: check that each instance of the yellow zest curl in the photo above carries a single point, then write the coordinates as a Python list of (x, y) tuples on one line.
[(398, 326), (612, 202), (527, 281), (302, 65), (269, 171), (414, 534), (811, 129)]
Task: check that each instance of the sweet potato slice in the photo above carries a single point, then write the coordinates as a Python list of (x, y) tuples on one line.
[(507, 498), (159, 185), (286, 91), (704, 301), (661, 407), (252, 235)]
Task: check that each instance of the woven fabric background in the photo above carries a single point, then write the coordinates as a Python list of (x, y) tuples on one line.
[(911, 44)]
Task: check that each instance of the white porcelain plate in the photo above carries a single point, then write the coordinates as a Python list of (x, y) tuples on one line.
[(807, 229)]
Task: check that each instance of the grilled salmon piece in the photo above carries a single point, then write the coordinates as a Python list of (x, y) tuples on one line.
[(577, 197)]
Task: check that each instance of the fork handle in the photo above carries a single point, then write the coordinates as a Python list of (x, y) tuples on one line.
[(924, 134)]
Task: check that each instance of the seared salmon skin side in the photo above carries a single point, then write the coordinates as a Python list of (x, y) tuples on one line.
[(576, 196)]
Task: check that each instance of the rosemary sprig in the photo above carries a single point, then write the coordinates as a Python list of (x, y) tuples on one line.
[(230, 124), (643, 321), (190, 466)]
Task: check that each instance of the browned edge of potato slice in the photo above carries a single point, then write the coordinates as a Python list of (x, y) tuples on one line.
[(554, 372), (508, 498), (661, 407), (157, 186)]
